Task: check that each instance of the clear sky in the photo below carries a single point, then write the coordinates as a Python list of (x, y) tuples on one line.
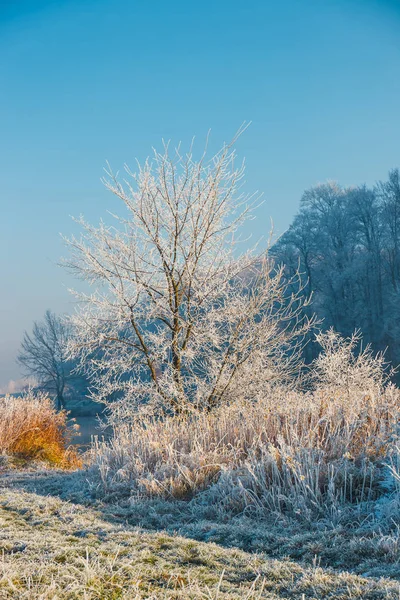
[(86, 81)]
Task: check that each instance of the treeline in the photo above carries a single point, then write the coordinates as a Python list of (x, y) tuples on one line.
[(346, 244)]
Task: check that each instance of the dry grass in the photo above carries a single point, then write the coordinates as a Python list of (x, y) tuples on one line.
[(298, 452), (54, 549), (31, 429)]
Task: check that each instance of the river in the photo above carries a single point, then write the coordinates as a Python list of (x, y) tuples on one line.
[(88, 427)]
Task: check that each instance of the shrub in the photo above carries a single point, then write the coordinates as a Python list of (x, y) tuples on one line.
[(31, 429)]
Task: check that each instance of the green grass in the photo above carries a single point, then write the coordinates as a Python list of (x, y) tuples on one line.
[(52, 548)]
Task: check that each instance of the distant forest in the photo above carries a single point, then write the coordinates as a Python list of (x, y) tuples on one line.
[(346, 243)]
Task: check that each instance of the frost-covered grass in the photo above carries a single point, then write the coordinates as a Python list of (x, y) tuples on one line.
[(295, 495), (307, 455), (54, 548)]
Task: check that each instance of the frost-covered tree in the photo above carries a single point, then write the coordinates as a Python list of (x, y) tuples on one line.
[(389, 193), (179, 318), (320, 243), (346, 243)]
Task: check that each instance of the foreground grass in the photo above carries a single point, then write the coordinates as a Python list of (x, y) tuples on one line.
[(52, 548)]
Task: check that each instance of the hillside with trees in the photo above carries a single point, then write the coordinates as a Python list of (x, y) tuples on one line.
[(346, 244)]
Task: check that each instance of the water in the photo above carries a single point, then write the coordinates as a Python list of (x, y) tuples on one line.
[(89, 427)]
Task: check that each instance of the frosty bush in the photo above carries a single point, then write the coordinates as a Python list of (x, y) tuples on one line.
[(344, 365)]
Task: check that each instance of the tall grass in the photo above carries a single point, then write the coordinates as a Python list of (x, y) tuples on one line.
[(31, 429), (291, 451)]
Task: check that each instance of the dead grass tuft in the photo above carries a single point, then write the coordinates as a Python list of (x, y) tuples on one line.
[(31, 429)]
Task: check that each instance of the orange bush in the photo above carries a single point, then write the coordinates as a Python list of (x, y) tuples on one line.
[(31, 429)]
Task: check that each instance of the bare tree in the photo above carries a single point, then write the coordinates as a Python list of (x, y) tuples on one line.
[(178, 315), (42, 355)]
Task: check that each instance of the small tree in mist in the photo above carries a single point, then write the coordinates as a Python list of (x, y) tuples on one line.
[(42, 355), (178, 316)]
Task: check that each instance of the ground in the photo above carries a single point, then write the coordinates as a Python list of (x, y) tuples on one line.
[(56, 543)]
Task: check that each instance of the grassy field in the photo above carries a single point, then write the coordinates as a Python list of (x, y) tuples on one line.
[(56, 547), (296, 496)]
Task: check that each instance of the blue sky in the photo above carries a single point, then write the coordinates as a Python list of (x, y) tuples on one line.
[(89, 81)]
